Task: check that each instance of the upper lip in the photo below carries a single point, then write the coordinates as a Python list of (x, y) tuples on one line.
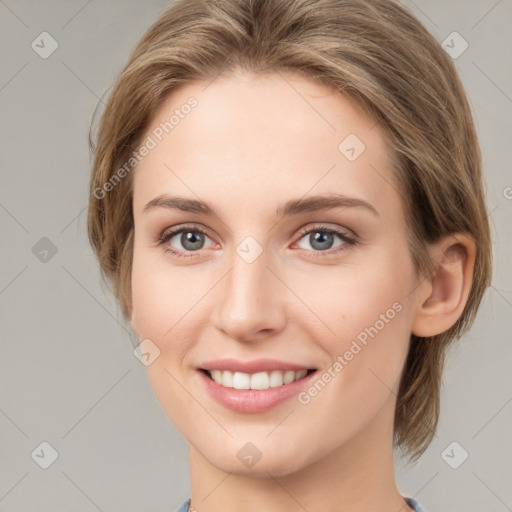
[(254, 366)]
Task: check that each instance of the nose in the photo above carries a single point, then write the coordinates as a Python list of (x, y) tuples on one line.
[(250, 301)]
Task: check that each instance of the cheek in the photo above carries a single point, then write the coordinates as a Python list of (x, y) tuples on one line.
[(161, 295), (370, 316), (354, 297), (161, 299), (368, 313)]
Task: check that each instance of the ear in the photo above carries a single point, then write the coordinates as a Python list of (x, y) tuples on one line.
[(442, 296)]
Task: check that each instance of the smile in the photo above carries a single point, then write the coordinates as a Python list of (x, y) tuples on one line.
[(257, 381), (255, 386)]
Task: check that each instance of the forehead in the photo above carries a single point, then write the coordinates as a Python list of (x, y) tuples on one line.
[(250, 140)]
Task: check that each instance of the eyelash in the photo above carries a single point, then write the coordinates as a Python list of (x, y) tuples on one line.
[(167, 235)]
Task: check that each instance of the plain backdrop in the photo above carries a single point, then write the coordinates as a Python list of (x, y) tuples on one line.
[(68, 376)]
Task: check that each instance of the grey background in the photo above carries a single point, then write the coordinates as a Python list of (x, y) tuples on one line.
[(67, 372)]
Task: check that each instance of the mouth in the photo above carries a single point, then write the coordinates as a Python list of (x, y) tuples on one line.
[(255, 386), (256, 381)]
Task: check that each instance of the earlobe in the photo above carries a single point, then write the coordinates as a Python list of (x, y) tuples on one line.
[(444, 294)]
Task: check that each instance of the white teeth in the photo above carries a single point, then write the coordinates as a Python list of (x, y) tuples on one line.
[(288, 377), (241, 380), (300, 374), (260, 380), (276, 379), (216, 375), (226, 379)]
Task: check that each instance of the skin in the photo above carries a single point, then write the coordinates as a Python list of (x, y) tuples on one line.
[(252, 143)]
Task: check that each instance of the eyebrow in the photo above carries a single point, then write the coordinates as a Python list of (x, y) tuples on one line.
[(292, 207)]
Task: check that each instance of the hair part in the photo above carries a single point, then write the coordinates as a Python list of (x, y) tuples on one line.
[(373, 51)]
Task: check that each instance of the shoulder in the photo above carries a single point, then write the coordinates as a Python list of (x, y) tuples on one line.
[(411, 502), (184, 506)]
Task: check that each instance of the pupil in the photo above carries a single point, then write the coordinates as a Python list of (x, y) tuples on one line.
[(321, 239), (194, 238)]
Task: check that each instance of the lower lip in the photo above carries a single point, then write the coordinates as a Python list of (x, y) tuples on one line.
[(252, 400)]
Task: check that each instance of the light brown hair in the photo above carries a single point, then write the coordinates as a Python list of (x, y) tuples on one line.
[(379, 55)]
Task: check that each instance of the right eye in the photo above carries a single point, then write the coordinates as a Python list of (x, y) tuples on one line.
[(191, 240)]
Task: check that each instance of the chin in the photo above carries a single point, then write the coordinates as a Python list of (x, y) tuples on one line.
[(245, 459)]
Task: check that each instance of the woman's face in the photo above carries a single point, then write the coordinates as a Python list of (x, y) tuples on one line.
[(264, 283)]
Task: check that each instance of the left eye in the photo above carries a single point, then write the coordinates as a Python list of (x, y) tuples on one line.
[(322, 239)]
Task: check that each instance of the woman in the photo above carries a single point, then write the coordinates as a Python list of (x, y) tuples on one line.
[(287, 197)]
